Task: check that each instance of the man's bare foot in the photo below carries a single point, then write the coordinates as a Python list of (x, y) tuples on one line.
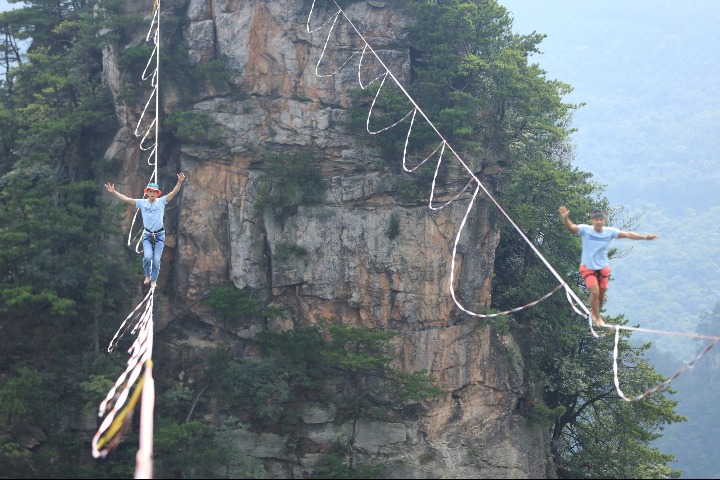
[(147, 280), (153, 284), (598, 321)]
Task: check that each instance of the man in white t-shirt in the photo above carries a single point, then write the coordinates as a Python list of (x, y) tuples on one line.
[(594, 264), (152, 210)]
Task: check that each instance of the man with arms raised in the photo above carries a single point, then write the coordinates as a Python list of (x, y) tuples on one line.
[(153, 211)]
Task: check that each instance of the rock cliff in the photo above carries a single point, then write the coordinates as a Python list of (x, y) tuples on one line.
[(352, 269)]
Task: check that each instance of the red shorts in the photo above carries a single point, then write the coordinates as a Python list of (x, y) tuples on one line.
[(591, 276)]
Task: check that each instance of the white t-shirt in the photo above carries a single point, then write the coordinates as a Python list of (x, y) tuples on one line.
[(595, 245), (152, 213)]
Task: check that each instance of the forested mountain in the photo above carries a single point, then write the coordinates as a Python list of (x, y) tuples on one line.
[(304, 326)]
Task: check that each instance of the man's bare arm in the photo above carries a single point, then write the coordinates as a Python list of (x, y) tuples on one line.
[(171, 195), (110, 187), (636, 236), (565, 214)]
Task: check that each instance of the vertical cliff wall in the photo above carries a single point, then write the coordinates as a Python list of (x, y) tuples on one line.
[(352, 269)]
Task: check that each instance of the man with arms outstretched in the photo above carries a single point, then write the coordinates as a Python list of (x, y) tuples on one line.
[(594, 264), (153, 211)]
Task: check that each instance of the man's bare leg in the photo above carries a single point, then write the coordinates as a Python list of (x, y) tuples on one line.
[(595, 301), (147, 280)]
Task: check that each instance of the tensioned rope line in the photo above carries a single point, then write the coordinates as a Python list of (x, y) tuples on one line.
[(577, 305), (136, 383)]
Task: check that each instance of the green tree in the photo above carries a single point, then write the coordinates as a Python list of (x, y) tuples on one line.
[(232, 303), (295, 365), (287, 182), (472, 73)]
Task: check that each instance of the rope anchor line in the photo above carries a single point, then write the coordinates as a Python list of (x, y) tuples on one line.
[(576, 304)]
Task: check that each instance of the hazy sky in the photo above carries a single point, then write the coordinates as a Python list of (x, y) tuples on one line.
[(661, 54)]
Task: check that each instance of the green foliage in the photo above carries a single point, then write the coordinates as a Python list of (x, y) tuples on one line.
[(190, 450), (261, 386), (501, 323), (192, 126), (234, 305), (287, 182), (411, 387), (56, 300), (412, 186), (18, 395), (393, 226), (545, 415), (390, 107), (214, 70), (358, 350), (54, 277), (295, 366), (56, 93), (408, 187), (472, 73), (128, 95), (334, 464), (12, 454), (97, 387), (337, 464), (284, 252), (191, 79), (134, 59)]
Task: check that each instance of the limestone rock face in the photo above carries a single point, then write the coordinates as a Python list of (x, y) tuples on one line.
[(352, 268)]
